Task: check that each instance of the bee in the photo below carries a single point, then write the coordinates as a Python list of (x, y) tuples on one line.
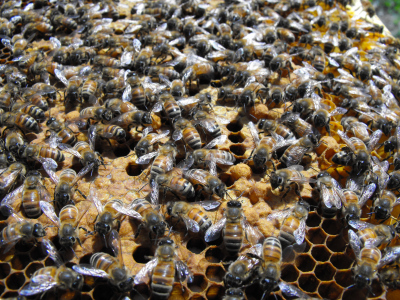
[(371, 235), (331, 194), (167, 72), (171, 107), (394, 180), (6, 157), (65, 183), (105, 61), (31, 192), (67, 222), (20, 230), (150, 218), (145, 144), (298, 125), (58, 276), (358, 129), (294, 154), (14, 139), (162, 269), (358, 155), (209, 122), (29, 109), (199, 72), (110, 267), (194, 218), (383, 205), (177, 185), (61, 132), (228, 93), (46, 90), (186, 131), (96, 113), (200, 101), (10, 175), (109, 214), (281, 62), (133, 118), (106, 131), (118, 106), (235, 228), (142, 60), (330, 39), (275, 127), (264, 148), (164, 159), (390, 277), (20, 120), (90, 88), (35, 151), (285, 178), (234, 294), (71, 93), (250, 93), (60, 21), (85, 152), (322, 118)]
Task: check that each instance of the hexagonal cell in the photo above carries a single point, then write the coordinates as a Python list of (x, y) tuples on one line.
[(313, 220), (376, 289), (141, 254), (305, 263), (341, 261), (235, 138), (2, 288), (336, 244), (197, 297), (177, 292), (103, 292), (215, 292), (214, 255), (5, 269), (238, 149), (332, 226), (320, 253), (133, 170), (198, 284), (325, 271), (316, 236), (308, 282), (7, 295), (37, 253), (196, 245), (32, 268), (15, 281), (215, 273), (19, 262), (49, 262), (23, 247), (234, 126), (141, 291), (344, 278), (289, 273), (329, 290), (121, 151), (354, 293)]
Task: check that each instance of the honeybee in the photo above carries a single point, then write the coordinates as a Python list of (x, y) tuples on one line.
[(322, 118), (331, 194), (390, 277), (106, 131), (61, 132), (330, 39), (145, 144), (281, 62), (150, 218), (371, 235), (110, 213), (298, 125), (358, 129), (359, 155), (250, 93), (65, 183), (71, 93), (294, 154), (90, 88), (200, 101), (143, 60), (235, 228), (96, 113), (110, 267), (199, 72), (20, 120), (20, 230), (293, 227), (31, 192), (186, 131), (194, 218), (133, 118), (210, 122), (10, 175), (105, 61), (162, 269), (67, 223), (34, 151), (264, 148), (273, 126), (164, 159), (14, 139), (29, 109), (355, 196), (58, 276)]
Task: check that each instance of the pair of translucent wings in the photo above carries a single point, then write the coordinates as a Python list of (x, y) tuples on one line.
[(191, 224), (374, 139), (253, 235), (354, 183), (332, 196)]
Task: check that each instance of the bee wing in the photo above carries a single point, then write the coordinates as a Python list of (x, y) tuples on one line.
[(208, 205), (115, 243), (222, 120), (214, 231), (82, 173), (220, 161), (145, 159), (155, 192), (88, 270), (282, 214), (367, 193), (126, 210), (51, 250), (92, 137), (346, 140), (93, 196), (360, 225), (374, 139), (292, 291), (213, 166), (159, 136), (190, 224), (253, 235), (196, 177), (157, 107), (216, 46), (300, 232), (146, 131), (187, 101), (127, 94), (11, 177), (254, 133), (38, 284), (69, 149), (296, 154), (10, 242), (338, 111), (217, 141), (49, 211), (177, 135), (391, 254), (59, 74), (164, 79), (327, 196), (332, 62), (355, 243), (145, 273), (11, 197), (183, 271), (208, 124)]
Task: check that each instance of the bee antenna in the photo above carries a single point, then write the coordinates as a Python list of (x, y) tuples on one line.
[(137, 293), (72, 249)]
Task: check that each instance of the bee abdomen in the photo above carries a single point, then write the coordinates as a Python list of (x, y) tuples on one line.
[(30, 202), (233, 237), (192, 138), (163, 279)]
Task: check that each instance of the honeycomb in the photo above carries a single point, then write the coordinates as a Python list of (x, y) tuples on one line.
[(322, 270)]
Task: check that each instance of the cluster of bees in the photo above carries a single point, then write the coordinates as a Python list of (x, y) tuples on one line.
[(149, 76)]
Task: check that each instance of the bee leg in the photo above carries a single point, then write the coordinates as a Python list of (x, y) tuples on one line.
[(287, 191), (81, 193), (138, 230)]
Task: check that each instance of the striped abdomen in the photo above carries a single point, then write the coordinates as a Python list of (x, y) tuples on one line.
[(192, 137), (67, 136), (182, 187), (49, 152), (233, 236), (172, 109), (46, 271), (105, 262), (163, 279), (69, 215), (26, 121), (30, 202), (272, 250), (200, 217), (142, 206), (286, 234), (67, 176), (160, 165)]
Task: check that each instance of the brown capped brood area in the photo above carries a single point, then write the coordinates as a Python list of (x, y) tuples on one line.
[(270, 130)]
